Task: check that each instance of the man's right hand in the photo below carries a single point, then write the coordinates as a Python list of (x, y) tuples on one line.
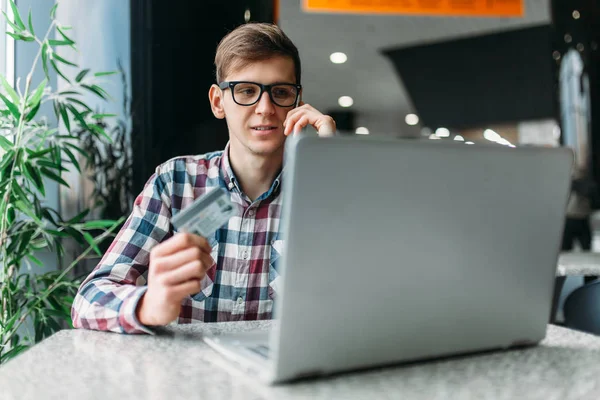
[(177, 266)]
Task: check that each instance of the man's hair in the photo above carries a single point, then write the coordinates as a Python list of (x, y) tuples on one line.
[(253, 42)]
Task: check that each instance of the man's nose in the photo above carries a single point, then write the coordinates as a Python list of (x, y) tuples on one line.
[(264, 105)]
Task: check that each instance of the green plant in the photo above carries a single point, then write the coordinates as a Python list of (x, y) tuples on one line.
[(31, 153)]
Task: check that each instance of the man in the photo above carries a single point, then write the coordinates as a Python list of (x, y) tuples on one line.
[(152, 276)]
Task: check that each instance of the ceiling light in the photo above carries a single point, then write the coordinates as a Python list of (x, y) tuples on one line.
[(338, 58), (345, 101), (459, 138), (469, 143), (433, 137), (411, 119), (361, 130), (442, 132), (491, 135)]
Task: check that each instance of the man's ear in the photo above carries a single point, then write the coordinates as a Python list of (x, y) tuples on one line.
[(215, 95)]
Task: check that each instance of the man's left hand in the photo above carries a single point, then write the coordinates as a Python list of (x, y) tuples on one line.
[(304, 115)]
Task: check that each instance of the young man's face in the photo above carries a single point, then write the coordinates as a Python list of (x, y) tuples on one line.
[(257, 129)]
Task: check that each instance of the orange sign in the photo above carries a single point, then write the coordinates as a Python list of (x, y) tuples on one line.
[(472, 8)]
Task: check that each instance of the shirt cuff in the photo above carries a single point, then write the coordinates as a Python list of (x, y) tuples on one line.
[(127, 317)]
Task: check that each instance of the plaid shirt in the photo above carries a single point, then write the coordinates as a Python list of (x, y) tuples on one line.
[(241, 285)]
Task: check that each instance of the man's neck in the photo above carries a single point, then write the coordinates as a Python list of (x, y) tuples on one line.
[(254, 173)]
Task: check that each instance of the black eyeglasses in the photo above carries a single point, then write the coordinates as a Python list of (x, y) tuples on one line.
[(248, 93)]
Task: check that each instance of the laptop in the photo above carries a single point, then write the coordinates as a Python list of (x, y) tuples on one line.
[(398, 251)]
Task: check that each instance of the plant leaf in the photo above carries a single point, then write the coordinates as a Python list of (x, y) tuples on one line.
[(88, 238), (62, 60), (101, 116), (99, 224), (17, 16), (96, 90), (32, 113), (5, 143), (77, 149), (81, 75), (55, 42), (45, 59), (53, 11), (106, 73), (37, 154), (9, 89), (72, 158), (12, 24), (57, 233), (7, 158), (51, 175), (99, 130), (30, 24), (65, 117), (65, 37), (13, 109), (80, 103), (35, 260), (37, 94), (58, 71), (34, 177), (27, 211), (78, 116)]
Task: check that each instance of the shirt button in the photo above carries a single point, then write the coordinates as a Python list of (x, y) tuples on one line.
[(251, 213), (240, 300), (245, 255)]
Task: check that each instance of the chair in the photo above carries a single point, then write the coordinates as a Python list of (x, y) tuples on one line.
[(582, 308)]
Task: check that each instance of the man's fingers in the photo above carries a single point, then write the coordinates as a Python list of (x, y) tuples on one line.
[(180, 242), (185, 289), (192, 270), (183, 257), (301, 123)]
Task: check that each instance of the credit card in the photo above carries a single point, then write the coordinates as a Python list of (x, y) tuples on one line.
[(206, 214)]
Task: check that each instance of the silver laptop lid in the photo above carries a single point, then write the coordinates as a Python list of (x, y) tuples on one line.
[(398, 250)]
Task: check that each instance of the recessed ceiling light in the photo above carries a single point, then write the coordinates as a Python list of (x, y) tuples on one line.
[(459, 138), (338, 58), (469, 143), (442, 132), (361, 130), (345, 101), (411, 119)]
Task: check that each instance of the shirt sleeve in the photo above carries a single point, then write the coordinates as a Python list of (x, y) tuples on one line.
[(107, 299)]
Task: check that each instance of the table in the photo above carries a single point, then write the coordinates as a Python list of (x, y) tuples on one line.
[(176, 364)]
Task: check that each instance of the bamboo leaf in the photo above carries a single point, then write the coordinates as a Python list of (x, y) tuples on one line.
[(13, 352), (35, 260), (20, 194), (12, 24), (53, 11), (72, 158), (99, 130), (78, 116), (78, 218), (17, 16), (55, 42), (62, 60), (96, 90), (81, 75), (99, 224), (80, 103), (77, 149), (88, 238), (5, 143), (34, 177), (57, 233), (106, 73), (6, 160), (21, 206), (65, 37), (65, 117), (45, 59), (38, 93), (32, 113), (13, 108), (9, 89), (51, 175), (101, 116), (50, 164), (37, 154), (30, 24), (58, 71)]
